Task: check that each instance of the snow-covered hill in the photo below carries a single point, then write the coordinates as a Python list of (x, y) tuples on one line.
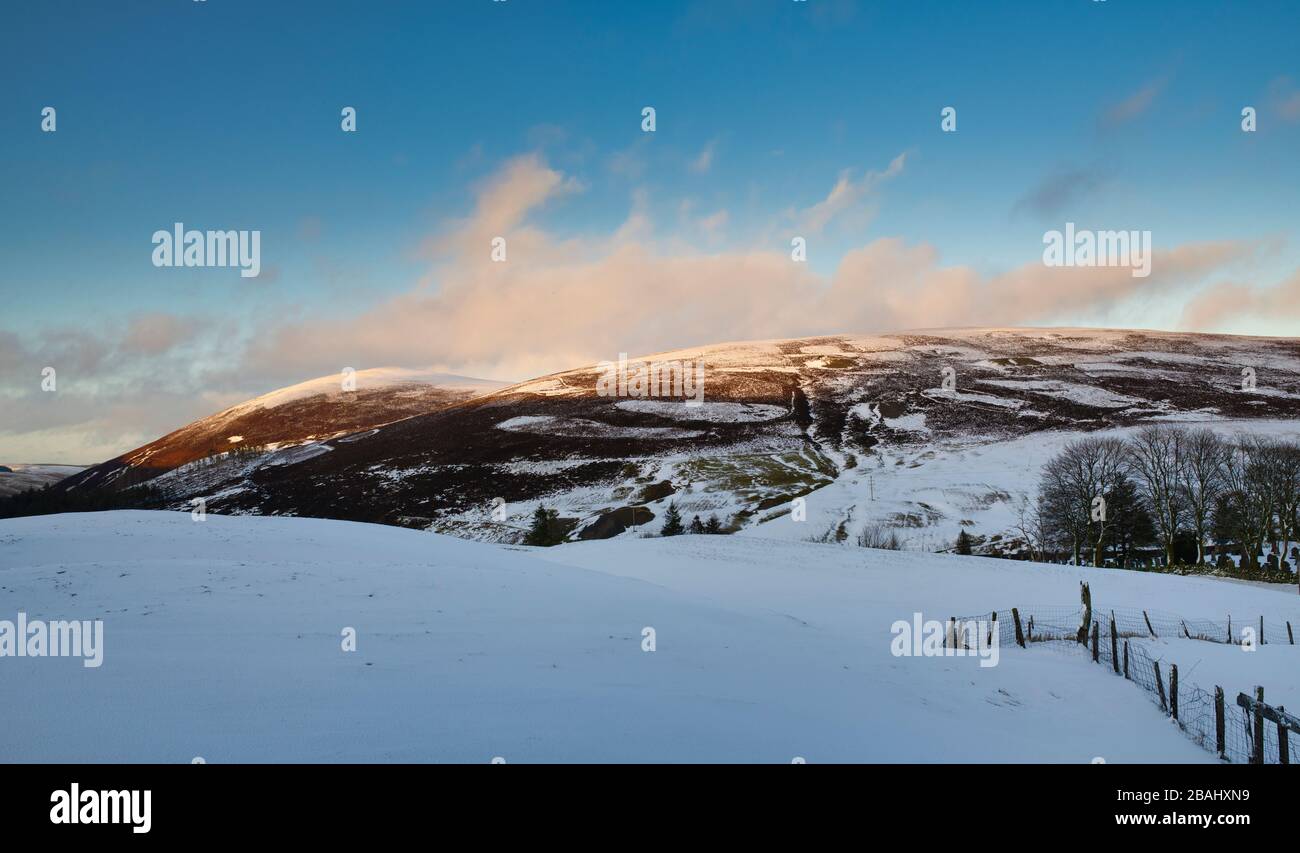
[(222, 640), (15, 478), (309, 412), (924, 433)]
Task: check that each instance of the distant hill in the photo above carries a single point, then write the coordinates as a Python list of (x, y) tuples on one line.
[(15, 478), (926, 432), (313, 411)]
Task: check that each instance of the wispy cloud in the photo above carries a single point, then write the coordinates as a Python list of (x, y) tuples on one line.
[(1285, 98), (704, 160), (847, 195), (629, 162), (1135, 104), (1059, 190)]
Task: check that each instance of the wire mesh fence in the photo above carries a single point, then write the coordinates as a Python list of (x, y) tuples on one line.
[(1059, 623), (1213, 720)]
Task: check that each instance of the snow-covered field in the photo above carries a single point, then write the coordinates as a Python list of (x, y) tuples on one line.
[(927, 491), (1275, 666), (222, 639)]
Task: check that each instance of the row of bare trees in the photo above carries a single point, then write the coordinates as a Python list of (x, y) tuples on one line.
[(1174, 488)]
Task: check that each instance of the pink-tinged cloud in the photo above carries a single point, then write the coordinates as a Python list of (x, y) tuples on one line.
[(156, 333), (1284, 96), (558, 304), (1134, 105), (847, 195), (1233, 301)]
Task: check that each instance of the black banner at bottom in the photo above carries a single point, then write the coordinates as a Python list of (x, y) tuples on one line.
[(130, 802)]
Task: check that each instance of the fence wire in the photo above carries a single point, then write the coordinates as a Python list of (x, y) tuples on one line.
[(1057, 627)]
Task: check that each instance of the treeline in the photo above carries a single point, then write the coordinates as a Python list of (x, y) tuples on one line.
[(48, 501), (1169, 493), (547, 527)]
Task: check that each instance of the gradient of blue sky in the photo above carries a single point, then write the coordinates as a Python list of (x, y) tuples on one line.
[(224, 114)]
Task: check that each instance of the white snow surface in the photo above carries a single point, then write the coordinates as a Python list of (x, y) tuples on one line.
[(222, 640), (553, 425), (366, 380), (926, 491), (712, 412)]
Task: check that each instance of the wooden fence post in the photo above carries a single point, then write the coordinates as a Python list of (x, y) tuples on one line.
[(1031, 628), (1258, 756), (1173, 690), (1114, 643), (1283, 744), (1126, 658), (992, 627), (1160, 685), (1020, 635), (1289, 635), (1229, 627), (1186, 633), (1261, 630), (1094, 642), (1148, 618), (1218, 721)]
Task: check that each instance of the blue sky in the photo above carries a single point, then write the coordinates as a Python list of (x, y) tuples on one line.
[(225, 114)]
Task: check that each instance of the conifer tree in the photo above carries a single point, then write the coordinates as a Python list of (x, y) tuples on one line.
[(539, 533), (672, 521)]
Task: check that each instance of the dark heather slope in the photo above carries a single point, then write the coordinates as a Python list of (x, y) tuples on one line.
[(781, 420)]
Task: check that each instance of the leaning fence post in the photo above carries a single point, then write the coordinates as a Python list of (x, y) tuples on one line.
[(1289, 635), (1283, 745), (1218, 721), (1258, 757), (1186, 633), (1020, 635), (1114, 643), (1094, 642), (1173, 690), (1126, 658), (1148, 618), (1160, 685)]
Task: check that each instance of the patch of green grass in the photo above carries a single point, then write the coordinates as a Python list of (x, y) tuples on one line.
[(763, 480)]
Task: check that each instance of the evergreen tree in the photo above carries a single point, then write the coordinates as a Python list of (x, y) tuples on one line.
[(1228, 526), (1131, 527), (540, 533), (696, 525), (713, 525), (672, 521), (963, 543)]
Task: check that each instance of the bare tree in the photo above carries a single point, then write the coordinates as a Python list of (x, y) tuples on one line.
[(1066, 519), (1156, 461), (1202, 481), (1278, 475), (1032, 525), (1076, 486), (1250, 486)]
